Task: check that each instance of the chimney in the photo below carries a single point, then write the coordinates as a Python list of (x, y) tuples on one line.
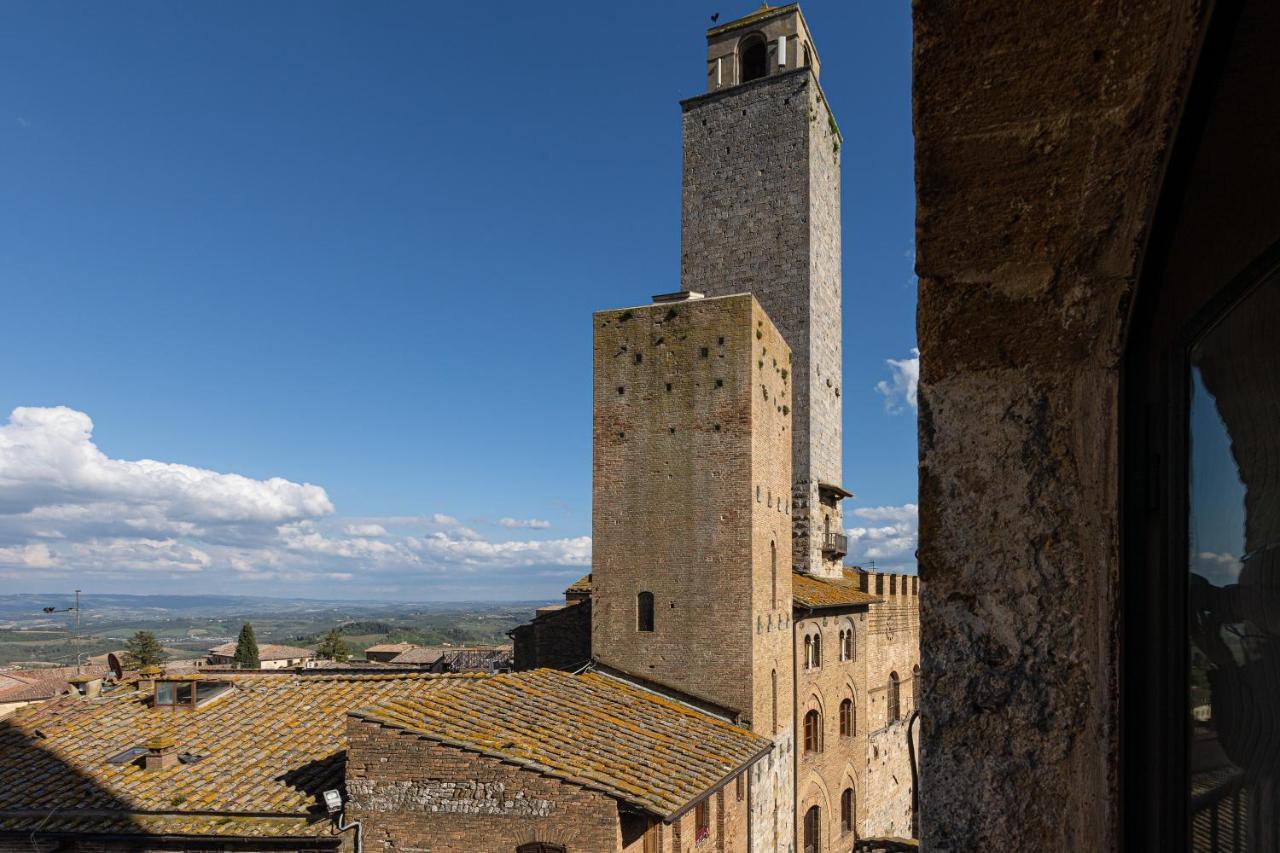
[(89, 686), (147, 678), (162, 753)]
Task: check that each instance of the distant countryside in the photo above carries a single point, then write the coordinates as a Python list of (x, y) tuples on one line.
[(189, 625)]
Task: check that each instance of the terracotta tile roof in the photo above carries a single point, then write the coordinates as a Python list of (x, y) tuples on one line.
[(419, 655), (590, 729), (32, 685), (582, 586), (818, 593), (390, 647), (266, 651), (269, 748)]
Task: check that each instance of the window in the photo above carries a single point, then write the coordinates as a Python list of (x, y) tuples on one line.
[(812, 732), (846, 644), (846, 718), (773, 686), (701, 821), (893, 709), (540, 847), (773, 573), (817, 650), (812, 830), (739, 786), (755, 57), (846, 810), (808, 652), (644, 611)]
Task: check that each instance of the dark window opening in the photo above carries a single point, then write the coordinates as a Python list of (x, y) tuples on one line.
[(704, 352), (639, 357), (540, 847), (755, 58), (701, 821), (644, 611), (812, 830), (893, 711), (846, 810), (812, 732), (846, 718)]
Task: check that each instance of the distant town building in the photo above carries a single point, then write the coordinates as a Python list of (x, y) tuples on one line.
[(22, 687), (385, 652), (270, 656)]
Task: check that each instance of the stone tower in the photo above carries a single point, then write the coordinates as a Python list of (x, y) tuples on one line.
[(761, 214), (691, 574)]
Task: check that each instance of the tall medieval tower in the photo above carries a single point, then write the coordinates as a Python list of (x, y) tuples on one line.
[(761, 214), (691, 574)]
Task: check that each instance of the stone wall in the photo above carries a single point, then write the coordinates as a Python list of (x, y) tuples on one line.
[(760, 213), (412, 793), (1041, 131), (892, 648)]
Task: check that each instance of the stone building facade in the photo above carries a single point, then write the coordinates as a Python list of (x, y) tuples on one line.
[(760, 213)]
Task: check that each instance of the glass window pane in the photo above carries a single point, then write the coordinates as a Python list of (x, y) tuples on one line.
[(164, 693), (1233, 594)]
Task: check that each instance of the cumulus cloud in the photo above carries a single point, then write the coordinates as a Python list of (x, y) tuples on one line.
[(48, 460), (888, 537), (1218, 567), (65, 506), (900, 389), (364, 530), (531, 523)]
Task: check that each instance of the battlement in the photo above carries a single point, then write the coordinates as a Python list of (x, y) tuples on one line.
[(888, 584)]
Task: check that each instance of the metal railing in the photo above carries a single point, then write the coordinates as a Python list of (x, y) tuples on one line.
[(1218, 817), (835, 543)]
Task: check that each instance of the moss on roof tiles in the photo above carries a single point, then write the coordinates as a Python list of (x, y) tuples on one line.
[(590, 729), (818, 593)]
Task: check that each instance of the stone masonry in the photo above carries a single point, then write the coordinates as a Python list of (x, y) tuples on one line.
[(761, 213)]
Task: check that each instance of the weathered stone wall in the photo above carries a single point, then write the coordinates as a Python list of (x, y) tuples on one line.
[(724, 50), (841, 763), (761, 213), (412, 793), (1040, 135)]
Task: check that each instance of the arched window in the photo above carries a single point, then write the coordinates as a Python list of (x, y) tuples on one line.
[(540, 847), (893, 697), (846, 810), (773, 572), (812, 732), (812, 830), (754, 57), (817, 650), (808, 652), (846, 644), (846, 718), (644, 611), (773, 688)]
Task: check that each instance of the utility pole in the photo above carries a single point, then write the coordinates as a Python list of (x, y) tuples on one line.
[(77, 634)]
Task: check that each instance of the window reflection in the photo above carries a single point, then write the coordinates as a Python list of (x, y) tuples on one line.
[(1234, 588)]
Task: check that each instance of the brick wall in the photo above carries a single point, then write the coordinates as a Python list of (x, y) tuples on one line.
[(822, 776), (560, 639), (410, 792)]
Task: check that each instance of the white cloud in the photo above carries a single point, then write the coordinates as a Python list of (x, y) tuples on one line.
[(66, 507), (900, 389), (48, 460), (889, 539), (365, 530), (532, 523), (1223, 568)]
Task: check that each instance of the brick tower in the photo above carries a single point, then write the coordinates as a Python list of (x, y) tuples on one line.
[(691, 574), (761, 214)]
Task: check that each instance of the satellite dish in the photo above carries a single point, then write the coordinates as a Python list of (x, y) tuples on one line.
[(114, 663)]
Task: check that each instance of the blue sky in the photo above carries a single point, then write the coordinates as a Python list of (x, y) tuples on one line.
[(358, 246)]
